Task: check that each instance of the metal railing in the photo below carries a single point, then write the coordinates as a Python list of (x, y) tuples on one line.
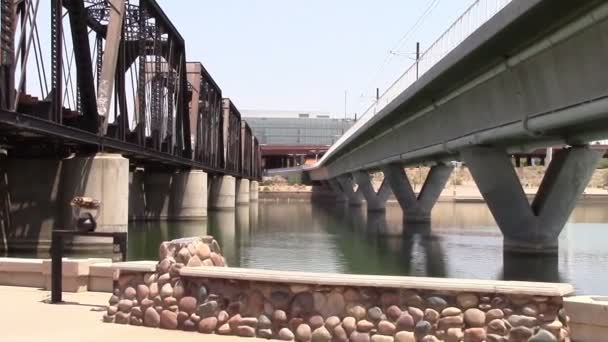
[(474, 17)]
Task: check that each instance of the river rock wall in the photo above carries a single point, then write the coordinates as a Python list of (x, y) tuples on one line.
[(321, 313), (140, 296)]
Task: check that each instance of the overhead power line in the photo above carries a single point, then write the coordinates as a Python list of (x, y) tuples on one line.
[(404, 38)]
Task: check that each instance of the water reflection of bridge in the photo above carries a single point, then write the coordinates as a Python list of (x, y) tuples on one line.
[(461, 242), (418, 250)]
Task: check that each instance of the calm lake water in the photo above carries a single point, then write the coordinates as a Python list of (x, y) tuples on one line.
[(462, 241)]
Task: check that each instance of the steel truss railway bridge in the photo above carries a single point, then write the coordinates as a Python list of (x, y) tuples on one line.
[(97, 99)]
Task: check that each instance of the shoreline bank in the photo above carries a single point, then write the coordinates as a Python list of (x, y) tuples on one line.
[(445, 197)]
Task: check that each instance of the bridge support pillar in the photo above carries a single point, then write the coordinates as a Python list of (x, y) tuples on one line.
[(376, 201), (104, 177), (531, 228), (324, 192), (254, 191), (334, 186), (189, 195), (417, 209), (176, 196), (242, 191), (157, 188), (137, 195), (31, 194), (222, 194), (355, 197)]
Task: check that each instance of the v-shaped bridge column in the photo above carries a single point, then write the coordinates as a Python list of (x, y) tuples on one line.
[(531, 228), (336, 189), (376, 201), (417, 209), (355, 197)]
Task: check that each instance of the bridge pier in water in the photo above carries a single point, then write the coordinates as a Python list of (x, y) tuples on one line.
[(137, 195), (222, 193), (104, 177), (531, 228), (417, 209), (189, 192), (333, 186), (254, 191), (39, 190), (243, 191), (376, 201), (171, 195), (347, 187)]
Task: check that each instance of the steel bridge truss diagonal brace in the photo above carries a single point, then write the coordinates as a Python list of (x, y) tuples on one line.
[(531, 228), (84, 63), (355, 197), (110, 60), (375, 200), (417, 209)]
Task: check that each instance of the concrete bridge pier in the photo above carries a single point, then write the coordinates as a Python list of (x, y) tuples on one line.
[(137, 195), (177, 195), (376, 201), (157, 190), (254, 191), (242, 191), (355, 197), (417, 209), (189, 195), (37, 193), (222, 193), (531, 228), (327, 191), (334, 186), (104, 177)]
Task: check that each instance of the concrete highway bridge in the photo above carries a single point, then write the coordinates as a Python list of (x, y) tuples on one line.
[(530, 77), (110, 109)]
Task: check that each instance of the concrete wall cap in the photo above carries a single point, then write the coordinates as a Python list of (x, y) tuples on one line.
[(103, 269), (588, 310), (422, 283), (136, 266), (20, 265), (70, 267)]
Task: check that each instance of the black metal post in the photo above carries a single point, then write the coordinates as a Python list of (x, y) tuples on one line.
[(417, 58), (118, 239), (56, 267)]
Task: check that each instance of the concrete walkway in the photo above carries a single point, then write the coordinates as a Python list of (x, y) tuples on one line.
[(26, 316)]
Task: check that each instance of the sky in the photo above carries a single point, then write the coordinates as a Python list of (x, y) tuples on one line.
[(306, 55)]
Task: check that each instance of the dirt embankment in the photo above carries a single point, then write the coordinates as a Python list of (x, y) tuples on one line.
[(460, 183)]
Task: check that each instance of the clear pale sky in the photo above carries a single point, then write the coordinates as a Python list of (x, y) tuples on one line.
[(304, 55)]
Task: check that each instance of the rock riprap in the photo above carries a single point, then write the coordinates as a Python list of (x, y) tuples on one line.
[(321, 313)]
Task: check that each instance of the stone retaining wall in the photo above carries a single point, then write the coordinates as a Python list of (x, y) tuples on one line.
[(322, 308), (148, 292)]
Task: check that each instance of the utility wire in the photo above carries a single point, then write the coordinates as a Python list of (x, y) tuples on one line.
[(404, 38)]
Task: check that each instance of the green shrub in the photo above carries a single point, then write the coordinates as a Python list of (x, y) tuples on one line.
[(603, 164), (294, 181)]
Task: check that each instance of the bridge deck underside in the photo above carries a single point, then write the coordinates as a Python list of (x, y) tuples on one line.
[(28, 134)]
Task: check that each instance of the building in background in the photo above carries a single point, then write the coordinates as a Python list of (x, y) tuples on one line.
[(293, 138)]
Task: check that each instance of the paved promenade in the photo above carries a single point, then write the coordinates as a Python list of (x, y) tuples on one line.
[(27, 317)]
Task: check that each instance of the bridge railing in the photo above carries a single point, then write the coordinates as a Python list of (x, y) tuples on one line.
[(474, 17)]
